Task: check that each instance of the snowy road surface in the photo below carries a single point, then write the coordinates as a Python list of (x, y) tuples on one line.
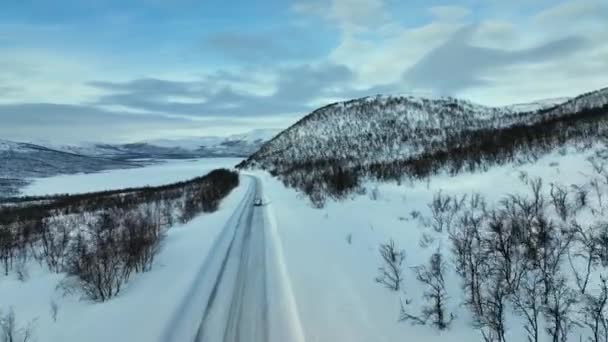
[(230, 301), (237, 308)]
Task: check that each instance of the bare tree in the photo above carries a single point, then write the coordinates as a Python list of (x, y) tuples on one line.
[(391, 270), (493, 302), (558, 310), (7, 248), (560, 202), (444, 209), (471, 256), (587, 250), (594, 314), (55, 238), (528, 303), (434, 310), (54, 309), (96, 263), (11, 332)]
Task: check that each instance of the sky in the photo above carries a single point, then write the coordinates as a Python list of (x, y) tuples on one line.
[(76, 71)]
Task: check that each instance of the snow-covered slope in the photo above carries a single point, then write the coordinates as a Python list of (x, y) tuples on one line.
[(19, 161), (254, 137), (333, 258), (237, 145), (387, 128), (538, 105)]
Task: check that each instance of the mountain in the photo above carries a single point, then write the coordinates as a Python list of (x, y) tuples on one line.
[(19, 161), (238, 145), (538, 105), (392, 136)]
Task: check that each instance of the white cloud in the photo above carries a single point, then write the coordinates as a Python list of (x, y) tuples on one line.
[(350, 16), (573, 11), (449, 13), (39, 75)]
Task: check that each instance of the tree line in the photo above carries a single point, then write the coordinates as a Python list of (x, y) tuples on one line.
[(100, 239), (468, 150)]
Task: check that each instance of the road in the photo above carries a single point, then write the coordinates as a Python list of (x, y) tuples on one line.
[(228, 300), (237, 309)]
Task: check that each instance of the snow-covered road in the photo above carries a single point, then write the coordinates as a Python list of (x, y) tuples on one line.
[(229, 301), (237, 307)]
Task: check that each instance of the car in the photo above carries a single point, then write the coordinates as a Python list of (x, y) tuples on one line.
[(258, 202)]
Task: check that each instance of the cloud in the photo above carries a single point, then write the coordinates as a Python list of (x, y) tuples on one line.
[(295, 87), (573, 11), (457, 64), (449, 13), (262, 47), (73, 123), (350, 16)]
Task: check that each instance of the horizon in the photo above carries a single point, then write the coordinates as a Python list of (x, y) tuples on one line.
[(106, 71)]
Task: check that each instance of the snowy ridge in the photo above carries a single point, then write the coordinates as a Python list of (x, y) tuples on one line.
[(385, 128), (595, 99), (538, 105), (195, 143)]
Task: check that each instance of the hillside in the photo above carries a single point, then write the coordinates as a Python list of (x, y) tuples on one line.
[(396, 136), (19, 161), (237, 145)]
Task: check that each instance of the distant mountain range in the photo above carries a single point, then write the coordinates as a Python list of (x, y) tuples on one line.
[(20, 161), (238, 145)]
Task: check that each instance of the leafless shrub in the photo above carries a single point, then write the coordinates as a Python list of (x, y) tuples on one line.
[(54, 307), (470, 255), (581, 195), (8, 248), (588, 250), (96, 262), (558, 310), (560, 202), (493, 303), (140, 240), (10, 330), (21, 270), (434, 310), (391, 270), (528, 303), (55, 239), (374, 195), (594, 314), (443, 210), (426, 240)]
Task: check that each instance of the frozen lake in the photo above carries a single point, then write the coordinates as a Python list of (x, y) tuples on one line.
[(169, 171)]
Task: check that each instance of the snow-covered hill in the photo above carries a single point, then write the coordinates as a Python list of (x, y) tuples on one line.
[(237, 145), (538, 105), (19, 161), (392, 135), (384, 128)]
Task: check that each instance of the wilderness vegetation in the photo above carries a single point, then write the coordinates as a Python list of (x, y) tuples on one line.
[(540, 256), (399, 144), (99, 240)]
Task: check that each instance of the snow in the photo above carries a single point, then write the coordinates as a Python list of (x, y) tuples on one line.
[(10, 146), (321, 286), (193, 143), (332, 280), (538, 105), (156, 174), (145, 306)]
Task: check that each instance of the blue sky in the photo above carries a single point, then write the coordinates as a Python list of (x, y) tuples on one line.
[(109, 70)]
